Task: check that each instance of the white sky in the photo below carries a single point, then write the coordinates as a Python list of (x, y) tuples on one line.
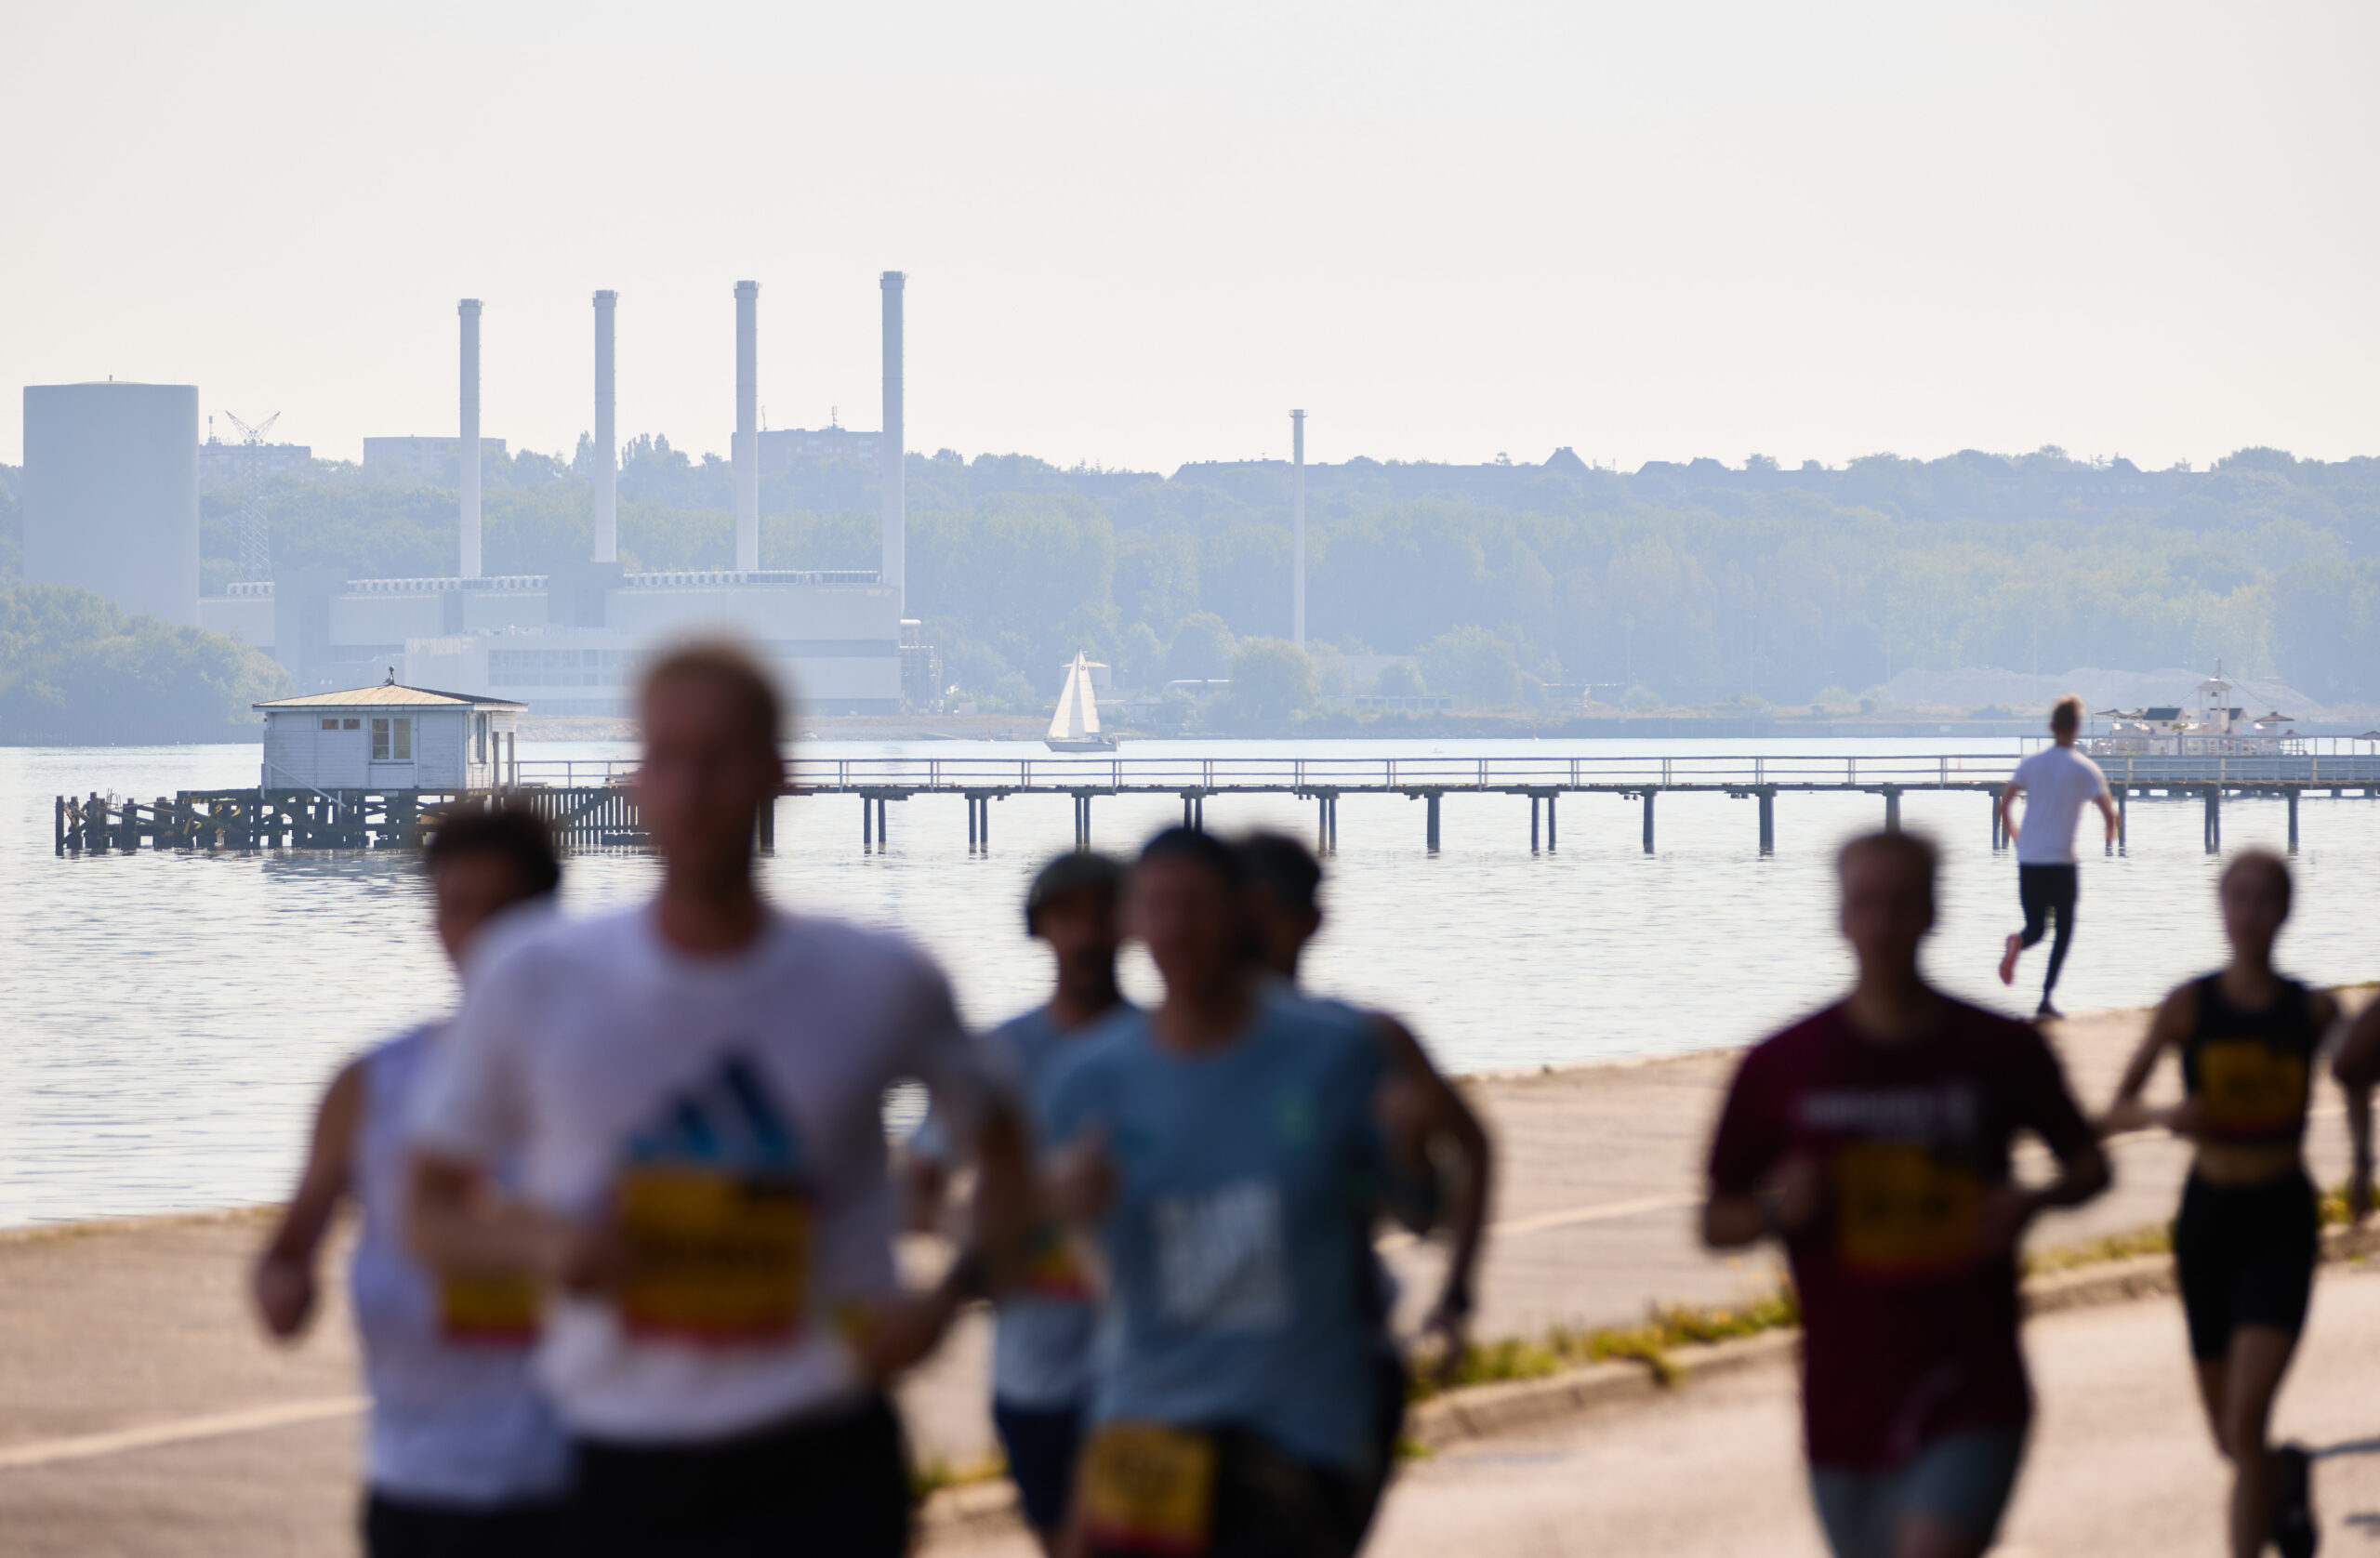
[(1138, 235)]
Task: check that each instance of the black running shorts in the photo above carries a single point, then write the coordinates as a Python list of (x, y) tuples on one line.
[(2245, 1257)]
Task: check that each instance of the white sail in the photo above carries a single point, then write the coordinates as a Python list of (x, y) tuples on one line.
[(1077, 715)]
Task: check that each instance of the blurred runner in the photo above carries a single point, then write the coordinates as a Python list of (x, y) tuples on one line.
[(1043, 1329), (1433, 1134), (2357, 1066), (1222, 1151), (1873, 1139), (465, 1458), (694, 1089), (2250, 1229), (2057, 782)]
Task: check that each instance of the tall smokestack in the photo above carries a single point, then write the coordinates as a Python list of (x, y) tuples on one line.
[(895, 497), (466, 448), (607, 465), (1296, 527), (747, 452)]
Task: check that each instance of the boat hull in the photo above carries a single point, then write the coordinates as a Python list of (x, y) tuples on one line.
[(1084, 744)]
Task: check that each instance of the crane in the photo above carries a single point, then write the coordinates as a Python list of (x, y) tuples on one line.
[(249, 527)]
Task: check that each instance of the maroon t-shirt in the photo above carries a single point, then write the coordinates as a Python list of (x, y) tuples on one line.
[(1908, 1334)]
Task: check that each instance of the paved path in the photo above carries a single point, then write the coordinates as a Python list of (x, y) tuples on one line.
[(2121, 1461), (132, 1383)]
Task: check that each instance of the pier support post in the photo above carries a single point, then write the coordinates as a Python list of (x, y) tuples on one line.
[(2215, 819), (1891, 810), (1552, 842), (1532, 825), (1334, 822), (766, 834), (1432, 800), (1322, 825), (1198, 812), (2292, 793), (1768, 820), (884, 825), (867, 823), (1185, 807), (1998, 825), (1649, 820), (2123, 819)]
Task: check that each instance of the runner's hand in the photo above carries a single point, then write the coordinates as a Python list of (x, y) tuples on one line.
[(284, 1290), (1801, 1195), (1447, 1333), (1081, 1179)]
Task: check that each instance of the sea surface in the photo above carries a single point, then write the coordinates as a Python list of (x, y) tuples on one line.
[(167, 1020)]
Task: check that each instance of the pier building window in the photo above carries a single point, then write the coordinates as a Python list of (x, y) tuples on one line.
[(355, 724), (393, 741), (330, 724)]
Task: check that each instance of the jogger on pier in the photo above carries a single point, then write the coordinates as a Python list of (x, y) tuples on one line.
[(2057, 782)]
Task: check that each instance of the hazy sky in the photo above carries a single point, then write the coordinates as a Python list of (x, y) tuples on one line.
[(1137, 235)]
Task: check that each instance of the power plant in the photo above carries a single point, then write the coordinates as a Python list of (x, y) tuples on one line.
[(566, 642)]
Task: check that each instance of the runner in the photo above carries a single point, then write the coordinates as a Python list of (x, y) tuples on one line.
[(694, 1087), (464, 1456), (2356, 1067), (1873, 1139), (2250, 1228), (2056, 781), (1427, 1123), (1223, 1153), (1041, 1340)]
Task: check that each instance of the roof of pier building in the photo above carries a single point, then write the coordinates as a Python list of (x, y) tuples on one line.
[(388, 695)]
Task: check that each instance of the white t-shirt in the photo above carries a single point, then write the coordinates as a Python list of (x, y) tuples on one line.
[(2059, 782), (727, 1111)]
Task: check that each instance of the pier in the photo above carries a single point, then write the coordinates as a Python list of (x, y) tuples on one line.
[(592, 804)]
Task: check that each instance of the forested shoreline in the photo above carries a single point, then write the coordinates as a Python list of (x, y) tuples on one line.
[(1695, 584)]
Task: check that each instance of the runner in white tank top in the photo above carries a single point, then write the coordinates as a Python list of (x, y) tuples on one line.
[(465, 1458)]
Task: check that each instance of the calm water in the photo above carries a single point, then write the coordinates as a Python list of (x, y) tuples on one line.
[(166, 1021)]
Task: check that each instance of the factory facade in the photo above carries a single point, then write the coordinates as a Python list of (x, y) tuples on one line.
[(111, 490)]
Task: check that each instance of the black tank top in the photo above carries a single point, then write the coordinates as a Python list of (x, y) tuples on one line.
[(2252, 1072)]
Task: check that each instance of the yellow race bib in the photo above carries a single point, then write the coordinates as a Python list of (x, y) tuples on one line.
[(489, 1310), (1148, 1488), (2245, 1090), (1053, 1267), (713, 1256), (1899, 1211)]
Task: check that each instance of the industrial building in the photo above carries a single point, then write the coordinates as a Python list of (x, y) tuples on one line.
[(110, 493), (570, 643)]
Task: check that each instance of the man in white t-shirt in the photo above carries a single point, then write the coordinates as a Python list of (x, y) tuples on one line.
[(692, 1090), (2057, 782)]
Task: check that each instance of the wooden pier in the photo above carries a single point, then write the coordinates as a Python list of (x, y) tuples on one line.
[(592, 804)]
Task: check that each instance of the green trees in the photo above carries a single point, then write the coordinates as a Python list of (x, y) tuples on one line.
[(1474, 665), (75, 667), (1272, 678)]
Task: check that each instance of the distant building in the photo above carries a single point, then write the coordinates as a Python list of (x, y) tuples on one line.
[(780, 447), (427, 459), (110, 493), (221, 463), (387, 737)]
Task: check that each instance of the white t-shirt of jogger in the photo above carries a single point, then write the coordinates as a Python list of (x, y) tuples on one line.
[(726, 1114), (2059, 782)]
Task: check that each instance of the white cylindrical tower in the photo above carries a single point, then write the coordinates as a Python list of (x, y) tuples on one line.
[(467, 447), (747, 452), (607, 465), (896, 498), (1296, 527)]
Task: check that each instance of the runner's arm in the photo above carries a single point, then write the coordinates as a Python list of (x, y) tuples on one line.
[(282, 1282), (1448, 1117), (2166, 1030), (2008, 794), (458, 1220), (2107, 805), (2356, 1065), (2357, 1085)]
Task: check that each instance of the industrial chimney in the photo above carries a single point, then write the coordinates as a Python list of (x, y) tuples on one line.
[(607, 465), (1296, 527), (466, 448), (747, 452), (896, 498)]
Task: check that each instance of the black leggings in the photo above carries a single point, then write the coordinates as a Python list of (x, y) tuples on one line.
[(817, 1488), (2047, 891)]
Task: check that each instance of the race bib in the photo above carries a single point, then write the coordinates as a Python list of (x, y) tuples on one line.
[(489, 1310), (1053, 1267), (1901, 1212), (713, 1256), (2246, 1089), (1148, 1488)]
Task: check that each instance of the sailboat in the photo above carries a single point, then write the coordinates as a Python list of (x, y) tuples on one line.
[(1074, 728)]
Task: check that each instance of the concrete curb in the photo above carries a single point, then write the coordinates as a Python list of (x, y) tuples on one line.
[(1480, 1412)]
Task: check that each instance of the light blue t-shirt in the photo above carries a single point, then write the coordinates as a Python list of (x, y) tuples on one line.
[(1044, 1330), (1238, 1247)]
